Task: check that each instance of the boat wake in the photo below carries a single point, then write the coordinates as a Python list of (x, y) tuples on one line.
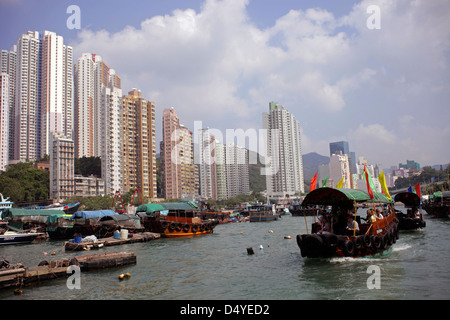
[(401, 247)]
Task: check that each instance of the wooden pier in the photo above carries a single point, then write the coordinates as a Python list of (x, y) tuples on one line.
[(111, 241), (22, 276)]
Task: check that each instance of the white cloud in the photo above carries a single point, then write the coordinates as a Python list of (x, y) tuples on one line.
[(216, 66)]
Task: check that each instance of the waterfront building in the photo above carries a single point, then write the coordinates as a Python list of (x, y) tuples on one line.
[(8, 63), (4, 120), (283, 148), (56, 89), (177, 158), (62, 167), (139, 149)]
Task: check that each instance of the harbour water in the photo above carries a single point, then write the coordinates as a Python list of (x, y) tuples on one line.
[(218, 267)]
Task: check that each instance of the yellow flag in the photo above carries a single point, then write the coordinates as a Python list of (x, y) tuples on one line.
[(340, 183), (382, 180)]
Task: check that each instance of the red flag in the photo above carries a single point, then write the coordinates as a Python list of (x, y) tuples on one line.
[(417, 186), (314, 182), (369, 190)]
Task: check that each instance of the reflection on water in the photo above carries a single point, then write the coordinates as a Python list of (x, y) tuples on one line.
[(217, 266)]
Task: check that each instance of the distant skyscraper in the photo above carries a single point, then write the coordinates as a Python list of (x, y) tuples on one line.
[(283, 147), (340, 146), (139, 150), (237, 172), (4, 120), (340, 168), (177, 158)]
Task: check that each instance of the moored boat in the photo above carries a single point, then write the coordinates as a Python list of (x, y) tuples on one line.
[(14, 237), (337, 234), (413, 218), (174, 219), (262, 213), (438, 205)]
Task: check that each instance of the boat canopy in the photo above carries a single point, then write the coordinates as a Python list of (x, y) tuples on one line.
[(334, 196), (149, 208), (179, 206), (408, 198), (16, 212), (93, 214)]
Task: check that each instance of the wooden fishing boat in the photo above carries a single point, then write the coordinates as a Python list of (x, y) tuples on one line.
[(413, 218), (438, 205), (335, 239), (174, 220), (262, 213)]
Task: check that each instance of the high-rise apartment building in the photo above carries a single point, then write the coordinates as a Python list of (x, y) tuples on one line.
[(283, 152), (177, 158), (139, 144), (207, 165), (341, 147), (62, 167), (56, 101), (111, 134), (27, 117), (4, 120), (237, 173), (40, 70), (98, 117), (8, 62), (91, 76)]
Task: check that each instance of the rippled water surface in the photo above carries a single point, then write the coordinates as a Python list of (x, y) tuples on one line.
[(217, 266)]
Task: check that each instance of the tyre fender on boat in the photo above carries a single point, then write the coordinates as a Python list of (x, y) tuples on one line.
[(367, 240), (194, 228), (172, 226), (348, 248), (186, 228), (376, 242), (359, 242)]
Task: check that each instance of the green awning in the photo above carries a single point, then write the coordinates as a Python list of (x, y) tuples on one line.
[(16, 212), (150, 208), (178, 206), (332, 196)]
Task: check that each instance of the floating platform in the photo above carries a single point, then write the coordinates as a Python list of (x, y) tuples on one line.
[(111, 241), (22, 276)]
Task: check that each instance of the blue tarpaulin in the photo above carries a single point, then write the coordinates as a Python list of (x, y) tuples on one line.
[(93, 214)]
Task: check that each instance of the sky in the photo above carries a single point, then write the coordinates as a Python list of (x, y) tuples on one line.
[(377, 79)]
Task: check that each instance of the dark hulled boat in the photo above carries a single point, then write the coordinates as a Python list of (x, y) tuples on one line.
[(438, 205), (413, 218), (372, 238)]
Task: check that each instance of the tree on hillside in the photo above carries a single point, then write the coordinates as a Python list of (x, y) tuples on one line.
[(24, 182)]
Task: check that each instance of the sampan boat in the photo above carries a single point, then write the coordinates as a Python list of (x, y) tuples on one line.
[(174, 219), (413, 219), (331, 237)]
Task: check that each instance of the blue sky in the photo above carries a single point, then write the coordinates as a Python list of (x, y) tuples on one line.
[(385, 91)]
